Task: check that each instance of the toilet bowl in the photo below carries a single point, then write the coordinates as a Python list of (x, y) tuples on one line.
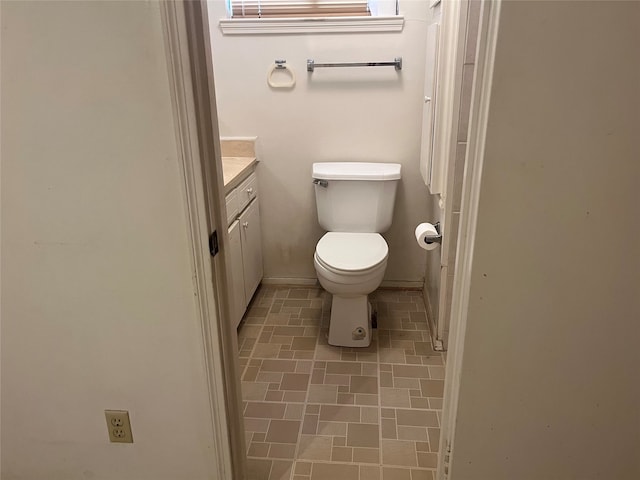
[(355, 203), (350, 266)]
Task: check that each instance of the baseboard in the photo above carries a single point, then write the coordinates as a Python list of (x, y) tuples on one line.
[(292, 281), (402, 284), (307, 282)]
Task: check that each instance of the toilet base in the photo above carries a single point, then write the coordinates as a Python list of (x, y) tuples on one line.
[(350, 324)]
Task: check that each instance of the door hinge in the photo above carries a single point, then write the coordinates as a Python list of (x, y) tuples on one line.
[(213, 243)]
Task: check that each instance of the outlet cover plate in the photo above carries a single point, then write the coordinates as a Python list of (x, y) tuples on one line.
[(119, 426)]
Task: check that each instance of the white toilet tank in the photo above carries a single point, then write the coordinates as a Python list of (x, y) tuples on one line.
[(355, 196)]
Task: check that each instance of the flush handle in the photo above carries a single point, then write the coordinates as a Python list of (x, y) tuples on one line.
[(322, 183)]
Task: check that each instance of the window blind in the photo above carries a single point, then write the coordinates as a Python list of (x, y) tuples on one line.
[(298, 8)]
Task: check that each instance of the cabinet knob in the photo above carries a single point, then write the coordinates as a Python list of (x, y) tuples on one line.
[(250, 190), (245, 225)]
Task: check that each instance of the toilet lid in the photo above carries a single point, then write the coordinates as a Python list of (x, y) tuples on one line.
[(352, 252)]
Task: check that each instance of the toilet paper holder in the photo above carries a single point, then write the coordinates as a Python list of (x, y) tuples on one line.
[(436, 238)]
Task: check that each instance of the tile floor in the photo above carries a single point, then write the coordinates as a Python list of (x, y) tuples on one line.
[(313, 411)]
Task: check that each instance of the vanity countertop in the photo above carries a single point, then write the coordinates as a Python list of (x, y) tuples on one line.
[(236, 169), (238, 160)]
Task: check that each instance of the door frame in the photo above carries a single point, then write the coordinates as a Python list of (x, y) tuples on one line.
[(186, 31), (188, 50), (479, 115)]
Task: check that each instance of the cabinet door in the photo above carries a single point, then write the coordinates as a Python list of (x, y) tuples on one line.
[(238, 301), (428, 109), (251, 248)]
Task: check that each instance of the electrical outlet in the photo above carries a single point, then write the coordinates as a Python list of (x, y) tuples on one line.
[(119, 426)]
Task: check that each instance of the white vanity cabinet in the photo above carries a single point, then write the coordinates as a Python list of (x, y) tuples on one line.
[(245, 244)]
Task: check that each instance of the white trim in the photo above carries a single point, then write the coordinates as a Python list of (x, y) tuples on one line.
[(293, 281), (482, 84), (205, 295), (258, 26), (438, 345), (307, 282), (407, 284)]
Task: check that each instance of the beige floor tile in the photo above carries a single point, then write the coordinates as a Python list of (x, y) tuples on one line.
[(334, 471), (339, 413), (360, 384), (428, 460), (392, 355), (302, 468), (411, 383), (419, 402), (366, 399), (389, 428), (332, 379), (265, 410), (363, 435), (394, 397), (288, 331), (399, 452), (283, 431), (310, 425), (295, 381), (366, 455), (254, 391), (312, 447), (256, 424), (294, 411), (304, 366), (294, 396), (420, 474), (341, 454), (417, 434), (332, 428), (258, 469), (282, 450), (411, 371), (418, 418), (344, 368), (368, 472), (432, 388), (327, 352), (323, 393), (266, 350), (303, 343), (422, 447), (281, 470), (269, 365), (434, 439), (369, 415), (394, 473), (258, 450)]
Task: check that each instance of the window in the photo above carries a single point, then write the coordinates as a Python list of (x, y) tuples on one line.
[(308, 16), (298, 8)]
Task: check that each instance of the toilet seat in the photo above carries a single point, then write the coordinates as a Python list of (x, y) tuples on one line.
[(350, 253)]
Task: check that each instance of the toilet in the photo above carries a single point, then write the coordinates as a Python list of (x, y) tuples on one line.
[(355, 204)]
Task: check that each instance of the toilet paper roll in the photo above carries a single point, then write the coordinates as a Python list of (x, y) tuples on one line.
[(423, 232)]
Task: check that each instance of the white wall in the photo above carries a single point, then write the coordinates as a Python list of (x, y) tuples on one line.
[(549, 386), (370, 114), (98, 306)]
